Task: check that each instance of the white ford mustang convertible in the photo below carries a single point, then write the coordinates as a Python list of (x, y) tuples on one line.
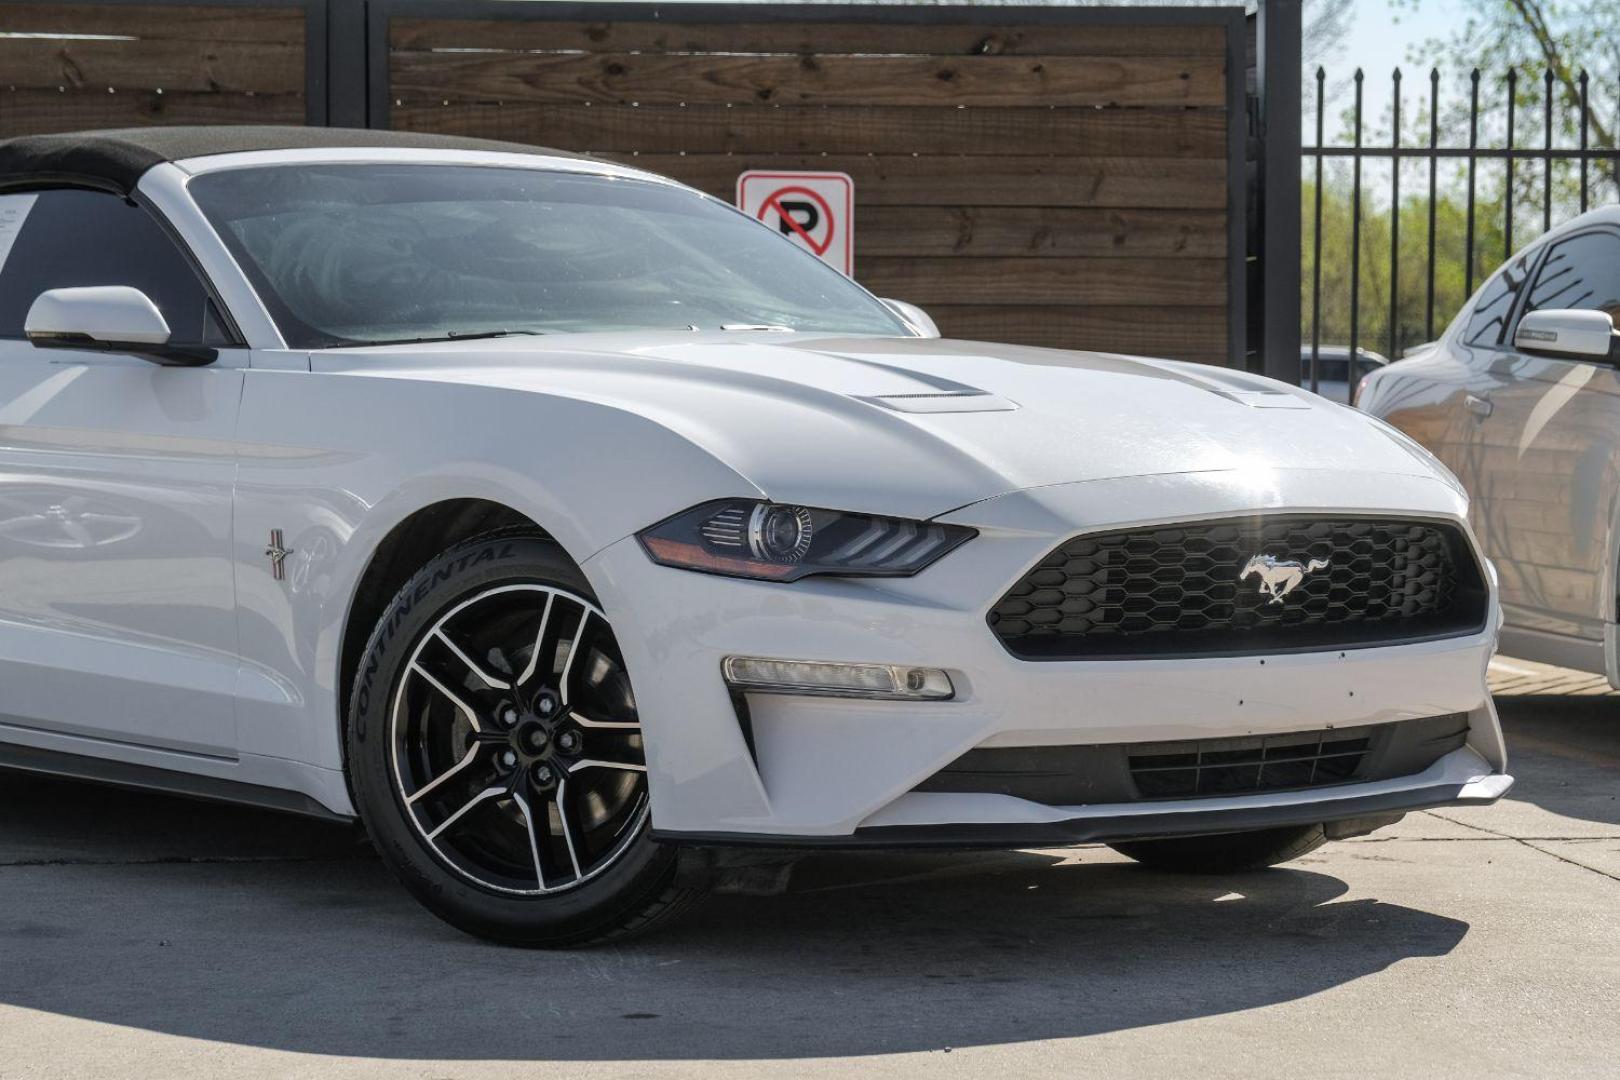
[(588, 541)]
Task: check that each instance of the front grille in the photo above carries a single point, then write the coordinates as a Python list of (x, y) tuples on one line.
[(1175, 590), (1204, 768)]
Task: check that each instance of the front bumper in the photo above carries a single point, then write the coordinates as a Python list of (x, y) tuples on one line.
[(1461, 779), (835, 772)]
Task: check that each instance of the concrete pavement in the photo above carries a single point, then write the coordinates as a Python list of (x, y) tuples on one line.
[(149, 936)]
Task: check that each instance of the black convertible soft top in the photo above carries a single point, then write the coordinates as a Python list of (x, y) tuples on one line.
[(117, 159)]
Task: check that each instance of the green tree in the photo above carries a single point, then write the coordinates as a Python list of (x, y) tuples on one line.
[(1373, 318), (1549, 46)]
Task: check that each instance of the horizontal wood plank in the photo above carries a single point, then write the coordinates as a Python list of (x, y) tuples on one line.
[(37, 63), (159, 22), (937, 280), (988, 39), (1195, 333), (718, 129), (1047, 232), (41, 112), (663, 79), (1175, 183)]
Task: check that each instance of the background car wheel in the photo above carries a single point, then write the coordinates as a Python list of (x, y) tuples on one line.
[(495, 752), (1225, 852)]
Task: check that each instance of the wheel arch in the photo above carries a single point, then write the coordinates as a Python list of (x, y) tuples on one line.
[(403, 550)]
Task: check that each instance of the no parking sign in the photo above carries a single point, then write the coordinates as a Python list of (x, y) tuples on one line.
[(816, 210)]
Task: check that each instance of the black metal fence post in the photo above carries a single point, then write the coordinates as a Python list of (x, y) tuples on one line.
[(346, 63), (1394, 217), (1278, 77), (1434, 162), (1473, 149), (1507, 187), (1316, 237), (1355, 225), (1585, 115), (1546, 149)]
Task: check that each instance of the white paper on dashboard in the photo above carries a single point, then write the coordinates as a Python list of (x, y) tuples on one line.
[(13, 212)]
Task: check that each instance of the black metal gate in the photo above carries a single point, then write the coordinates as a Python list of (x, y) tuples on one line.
[(1556, 171)]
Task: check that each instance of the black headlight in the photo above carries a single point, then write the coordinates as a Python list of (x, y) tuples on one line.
[(779, 542)]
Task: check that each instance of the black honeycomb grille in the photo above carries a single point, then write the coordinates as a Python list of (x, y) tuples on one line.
[(1175, 590)]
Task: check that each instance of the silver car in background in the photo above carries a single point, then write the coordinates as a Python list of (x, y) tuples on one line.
[(1336, 376), (1521, 399)]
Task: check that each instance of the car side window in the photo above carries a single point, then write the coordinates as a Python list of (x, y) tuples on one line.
[(1490, 315), (1582, 272), (66, 238)]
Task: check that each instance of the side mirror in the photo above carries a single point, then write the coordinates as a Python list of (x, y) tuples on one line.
[(111, 318), (1573, 335), (914, 317)]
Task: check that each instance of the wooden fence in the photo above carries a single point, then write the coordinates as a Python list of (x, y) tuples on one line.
[(1063, 183), (1075, 177), (68, 67)]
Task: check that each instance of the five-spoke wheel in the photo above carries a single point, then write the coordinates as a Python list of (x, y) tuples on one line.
[(504, 775), (516, 744)]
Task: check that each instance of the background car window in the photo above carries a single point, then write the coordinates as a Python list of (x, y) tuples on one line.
[(350, 254), (70, 238), (1328, 368), (1491, 312), (1582, 272)]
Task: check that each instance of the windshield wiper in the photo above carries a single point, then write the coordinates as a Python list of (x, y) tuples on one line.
[(474, 336), (773, 327)]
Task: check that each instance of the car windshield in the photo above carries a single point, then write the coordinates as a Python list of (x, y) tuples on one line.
[(353, 254)]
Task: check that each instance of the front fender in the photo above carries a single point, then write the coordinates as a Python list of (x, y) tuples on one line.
[(336, 462)]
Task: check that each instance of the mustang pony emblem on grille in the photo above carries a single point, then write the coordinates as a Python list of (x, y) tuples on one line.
[(1279, 577)]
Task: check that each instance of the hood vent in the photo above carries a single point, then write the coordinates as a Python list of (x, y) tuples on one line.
[(1265, 399), (953, 401)]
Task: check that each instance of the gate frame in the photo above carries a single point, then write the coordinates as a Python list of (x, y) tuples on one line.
[(1278, 115), (347, 82)]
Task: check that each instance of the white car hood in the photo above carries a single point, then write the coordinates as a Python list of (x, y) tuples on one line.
[(918, 427)]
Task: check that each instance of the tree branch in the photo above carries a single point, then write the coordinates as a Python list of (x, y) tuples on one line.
[(1535, 19)]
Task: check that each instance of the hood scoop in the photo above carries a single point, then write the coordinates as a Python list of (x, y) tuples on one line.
[(954, 401), (940, 395), (1265, 399)]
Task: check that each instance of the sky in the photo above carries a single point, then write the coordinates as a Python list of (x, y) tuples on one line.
[(1381, 39)]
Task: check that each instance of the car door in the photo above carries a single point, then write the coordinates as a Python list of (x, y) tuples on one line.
[(1548, 472), (1441, 396), (116, 592)]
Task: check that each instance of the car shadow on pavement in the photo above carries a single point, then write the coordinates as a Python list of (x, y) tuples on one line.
[(244, 927), (1564, 752)]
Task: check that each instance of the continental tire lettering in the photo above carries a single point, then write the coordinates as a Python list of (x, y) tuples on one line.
[(363, 698), (397, 617)]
